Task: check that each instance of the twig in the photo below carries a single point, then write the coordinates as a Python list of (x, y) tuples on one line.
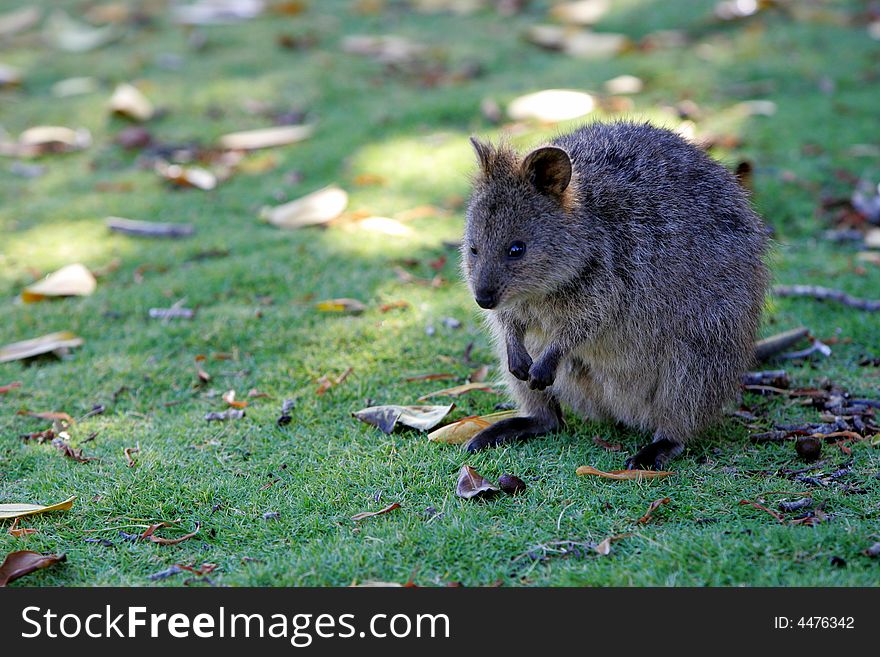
[(826, 294), (148, 228), (775, 344)]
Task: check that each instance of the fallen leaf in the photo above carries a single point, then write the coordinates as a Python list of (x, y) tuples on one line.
[(457, 391), (9, 76), (624, 84), (148, 228), (42, 345), (150, 534), (581, 12), (604, 546), (9, 511), (195, 177), (69, 452), (370, 514), (229, 398), (551, 106), (128, 101), (342, 305), (249, 140), (18, 532), (48, 415), (479, 375), (129, 452), (19, 20), (582, 44), (174, 312), (203, 376), (471, 484), (72, 280), (77, 86), (384, 225), (387, 49), (429, 377), (656, 504), (326, 382), (316, 208), (386, 417), (460, 432), (606, 445), (66, 34), (216, 12), (621, 475), (20, 563), (43, 139), (385, 307), (773, 513), (230, 414), (9, 386)]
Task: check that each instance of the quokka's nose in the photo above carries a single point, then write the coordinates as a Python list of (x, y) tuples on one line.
[(487, 299)]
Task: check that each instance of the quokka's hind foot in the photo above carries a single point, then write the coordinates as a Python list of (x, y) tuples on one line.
[(512, 430), (655, 455)]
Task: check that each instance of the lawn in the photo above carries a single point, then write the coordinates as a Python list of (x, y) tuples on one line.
[(275, 502)]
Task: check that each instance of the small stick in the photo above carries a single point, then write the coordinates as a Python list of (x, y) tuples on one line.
[(775, 344), (148, 228), (826, 294)]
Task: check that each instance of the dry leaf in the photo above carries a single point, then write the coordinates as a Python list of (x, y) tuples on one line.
[(229, 398), (606, 445), (64, 33), (42, 345), (148, 228), (230, 414), (595, 45), (471, 484), (551, 105), (51, 139), (128, 101), (249, 140), (385, 226), (75, 87), (370, 514), (316, 208), (150, 534), (342, 305), (624, 84), (9, 511), (385, 307), (621, 475), (9, 76), (18, 532), (457, 391), (582, 12), (174, 312), (74, 454), (9, 386), (429, 377), (129, 452), (18, 564), (72, 280), (187, 176), (326, 382), (388, 49), (656, 504), (460, 432), (773, 513), (216, 12), (386, 417), (604, 546), (19, 20), (479, 375), (48, 415)]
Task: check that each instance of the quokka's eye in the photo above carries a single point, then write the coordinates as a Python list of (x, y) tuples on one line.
[(474, 250), (516, 250)]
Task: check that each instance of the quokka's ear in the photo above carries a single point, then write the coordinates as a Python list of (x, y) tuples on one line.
[(485, 155), (549, 169)]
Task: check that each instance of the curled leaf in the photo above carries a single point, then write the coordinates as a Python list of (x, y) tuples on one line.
[(20, 563), (472, 484), (459, 390), (316, 208), (387, 417), (266, 138), (150, 534), (128, 101), (370, 514), (622, 475), (72, 280), (656, 504), (9, 511), (460, 432)]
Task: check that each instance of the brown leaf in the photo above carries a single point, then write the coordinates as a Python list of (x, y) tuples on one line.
[(129, 451), (18, 564), (429, 377), (604, 546), (48, 415), (460, 390), (471, 484), (196, 177), (460, 432), (69, 452), (479, 375), (150, 534), (229, 398), (621, 475), (18, 532), (656, 504), (370, 514), (773, 513), (386, 417), (601, 442), (42, 345), (385, 307), (326, 382), (13, 386)]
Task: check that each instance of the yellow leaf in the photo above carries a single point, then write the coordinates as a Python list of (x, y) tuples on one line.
[(9, 511), (72, 280), (621, 475), (463, 430), (352, 306)]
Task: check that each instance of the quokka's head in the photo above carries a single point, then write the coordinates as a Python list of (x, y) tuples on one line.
[(518, 239)]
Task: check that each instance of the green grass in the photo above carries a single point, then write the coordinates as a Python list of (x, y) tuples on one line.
[(330, 466)]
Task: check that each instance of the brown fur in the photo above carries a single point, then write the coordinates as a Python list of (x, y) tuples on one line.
[(641, 287)]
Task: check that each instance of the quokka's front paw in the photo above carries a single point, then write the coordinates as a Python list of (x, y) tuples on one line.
[(519, 365), (541, 376)]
